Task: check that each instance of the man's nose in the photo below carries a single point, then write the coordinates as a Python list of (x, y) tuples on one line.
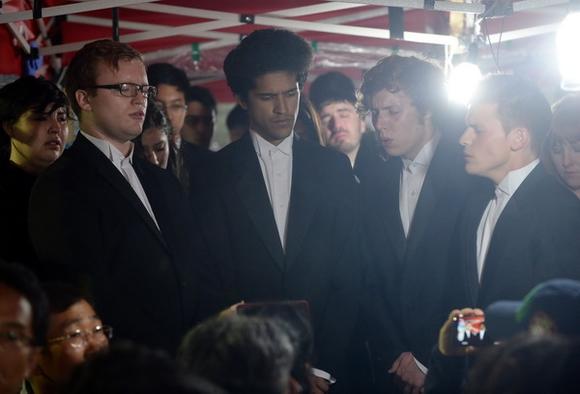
[(280, 105), (466, 137)]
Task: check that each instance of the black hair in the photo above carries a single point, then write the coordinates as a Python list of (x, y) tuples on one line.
[(155, 118), (238, 117), (127, 368), (203, 95), (22, 280), (25, 94), (519, 103), (241, 354), (263, 52), (62, 296), (332, 87), (167, 74)]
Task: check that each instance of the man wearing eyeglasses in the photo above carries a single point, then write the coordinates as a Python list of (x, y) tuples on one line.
[(108, 220), (75, 333), (22, 325)]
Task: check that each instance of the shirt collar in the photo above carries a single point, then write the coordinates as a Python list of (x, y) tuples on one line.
[(109, 149), (512, 181), (262, 146), (425, 155)]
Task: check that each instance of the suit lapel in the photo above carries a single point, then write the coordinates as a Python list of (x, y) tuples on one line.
[(426, 204), (88, 152), (253, 193), (304, 199), (510, 218), (392, 218)]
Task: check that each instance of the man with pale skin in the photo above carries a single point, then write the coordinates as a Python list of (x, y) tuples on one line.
[(108, 220), (409, 212), (75, 333), (564, 142), (280, 214), (22, 325), (523, 228), (334, 97)]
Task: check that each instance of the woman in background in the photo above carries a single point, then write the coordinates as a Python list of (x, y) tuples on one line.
[(33, 133), (563, 147)]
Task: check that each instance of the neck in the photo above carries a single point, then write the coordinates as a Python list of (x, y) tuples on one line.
[(43, 385), (517, 162), (23, 163), (430, 133), (123, 146)]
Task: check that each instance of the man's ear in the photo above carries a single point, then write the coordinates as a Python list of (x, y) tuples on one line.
[(241, 102), (83, 100), (519, 138)]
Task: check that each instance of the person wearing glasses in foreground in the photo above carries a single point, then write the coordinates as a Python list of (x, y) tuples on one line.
[(103, 218), (75, 333)]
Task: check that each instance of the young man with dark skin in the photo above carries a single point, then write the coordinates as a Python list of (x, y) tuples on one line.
[(110, 221), (409, 213), (23, 321), (280, 217)]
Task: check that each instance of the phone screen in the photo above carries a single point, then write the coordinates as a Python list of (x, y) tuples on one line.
[(470, 329)]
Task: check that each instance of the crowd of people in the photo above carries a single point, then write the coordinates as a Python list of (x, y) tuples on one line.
[(309, 255)]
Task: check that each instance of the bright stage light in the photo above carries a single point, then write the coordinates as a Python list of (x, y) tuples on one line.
[(462, 82), (569, 51)]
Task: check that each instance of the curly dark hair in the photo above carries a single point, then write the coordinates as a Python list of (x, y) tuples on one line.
[(266, 51), (422, 81)]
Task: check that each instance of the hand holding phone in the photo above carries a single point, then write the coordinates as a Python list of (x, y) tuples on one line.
[(462, 332)]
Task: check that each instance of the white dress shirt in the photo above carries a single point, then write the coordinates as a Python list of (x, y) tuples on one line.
[(276, 164), (125, 167), (412, 179), (503, 192)]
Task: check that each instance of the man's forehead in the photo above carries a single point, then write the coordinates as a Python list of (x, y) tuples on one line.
[(386, 97), (275, 82), (14, 307), (481, 111), (331, 106), (129, 70)]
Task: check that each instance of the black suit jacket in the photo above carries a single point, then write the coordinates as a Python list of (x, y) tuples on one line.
[(408, 277), (320, 261), (536, 238), (88, 226)]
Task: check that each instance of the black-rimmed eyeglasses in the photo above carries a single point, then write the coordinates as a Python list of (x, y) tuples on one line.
[(128, 89)]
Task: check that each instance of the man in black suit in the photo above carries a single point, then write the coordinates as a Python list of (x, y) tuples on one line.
[(103, 218), (526, 228), (280, 219), (409, 213), (334, 96)]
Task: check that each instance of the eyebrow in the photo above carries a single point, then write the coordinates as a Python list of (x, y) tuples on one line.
[(12, 325), (68, 323), (274, 94)]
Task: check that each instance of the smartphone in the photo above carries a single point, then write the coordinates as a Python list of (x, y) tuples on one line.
[(470, 329)]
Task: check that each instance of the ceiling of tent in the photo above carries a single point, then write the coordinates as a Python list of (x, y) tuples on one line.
[(351, 35)]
